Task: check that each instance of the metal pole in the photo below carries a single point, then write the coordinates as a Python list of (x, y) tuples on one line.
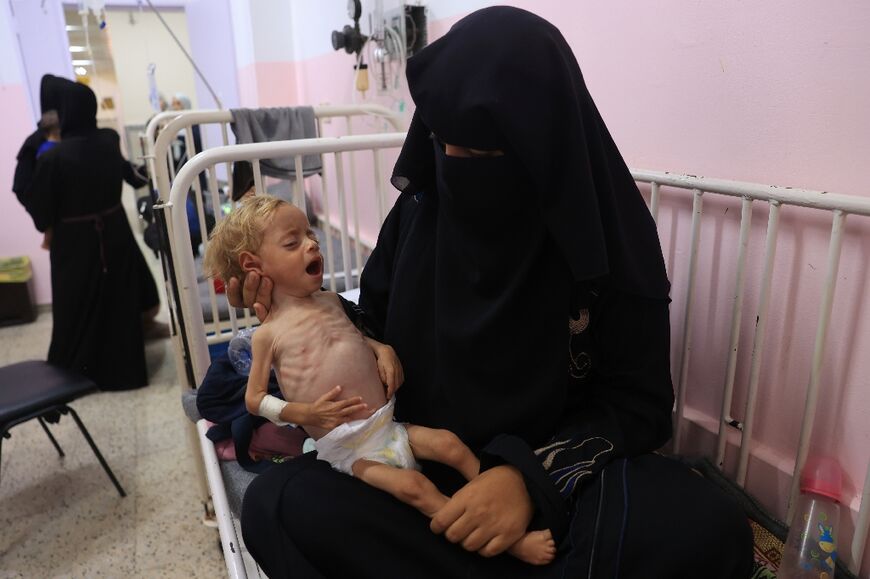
[(186, 55)]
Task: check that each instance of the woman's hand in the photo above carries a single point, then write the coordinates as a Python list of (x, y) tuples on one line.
[(327, 412), (255, 294), (389, 367), (487, 515)]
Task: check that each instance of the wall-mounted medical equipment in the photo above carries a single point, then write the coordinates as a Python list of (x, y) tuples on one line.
[(394, 34)]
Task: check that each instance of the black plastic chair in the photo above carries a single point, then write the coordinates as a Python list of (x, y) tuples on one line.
[(36, 389)]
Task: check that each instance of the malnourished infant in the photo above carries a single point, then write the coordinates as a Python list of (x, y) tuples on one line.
[(331, 376)]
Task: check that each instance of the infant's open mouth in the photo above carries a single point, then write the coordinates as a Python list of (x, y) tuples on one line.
[(315, 267)]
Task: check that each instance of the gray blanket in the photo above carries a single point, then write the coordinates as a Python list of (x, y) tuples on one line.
[(278, 124)]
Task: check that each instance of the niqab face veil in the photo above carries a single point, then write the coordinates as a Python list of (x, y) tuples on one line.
[(479, 86), (491, 261)]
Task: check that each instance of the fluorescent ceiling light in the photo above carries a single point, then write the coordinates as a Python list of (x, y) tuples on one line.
[(81, 71), (74, 48), (82, 62)]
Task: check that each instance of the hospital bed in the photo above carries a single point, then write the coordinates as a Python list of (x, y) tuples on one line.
[(344, 247), (723, 270)]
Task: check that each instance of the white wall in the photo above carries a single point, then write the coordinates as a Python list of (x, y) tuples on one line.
[(41, 36), (145, 40)]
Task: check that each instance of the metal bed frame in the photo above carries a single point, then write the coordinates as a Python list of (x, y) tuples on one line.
[(774, 199)]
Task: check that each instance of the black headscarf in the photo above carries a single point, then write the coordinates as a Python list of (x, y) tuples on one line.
[(78, 110), (504, 78), (51, 89), (484, 269)]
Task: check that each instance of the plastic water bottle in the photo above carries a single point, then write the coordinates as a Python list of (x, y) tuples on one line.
[(239, 351), (810, 549)]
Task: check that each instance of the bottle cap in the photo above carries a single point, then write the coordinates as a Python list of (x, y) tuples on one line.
[(822, 476)]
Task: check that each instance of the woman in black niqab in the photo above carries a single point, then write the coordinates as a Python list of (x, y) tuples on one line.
[(100, 283), (523, 288)]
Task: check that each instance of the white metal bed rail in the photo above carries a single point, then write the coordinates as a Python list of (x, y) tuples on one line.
[(839, 206), (161, 169), (170, 123)]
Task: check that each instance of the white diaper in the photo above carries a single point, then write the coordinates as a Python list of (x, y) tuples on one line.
[(378, 438)]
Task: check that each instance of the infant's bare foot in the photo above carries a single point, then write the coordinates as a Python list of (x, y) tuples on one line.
[(535, 547)]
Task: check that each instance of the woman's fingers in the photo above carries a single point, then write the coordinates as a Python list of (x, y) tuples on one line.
[(445, 517), (493, 547), (250, 289), (264, 293), (462, 528), (475, 540), (234, 293), (260, 311)]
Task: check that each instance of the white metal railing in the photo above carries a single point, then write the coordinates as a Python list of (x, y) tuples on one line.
[(839, 206), (162, 132), (186, 275)]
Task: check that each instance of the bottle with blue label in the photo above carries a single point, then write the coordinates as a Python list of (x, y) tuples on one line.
[(810, 550)]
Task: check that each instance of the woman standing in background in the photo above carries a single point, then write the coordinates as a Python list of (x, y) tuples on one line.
[(102, 289)]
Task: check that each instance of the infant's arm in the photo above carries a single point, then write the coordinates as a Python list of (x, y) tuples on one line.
[(257, 398)]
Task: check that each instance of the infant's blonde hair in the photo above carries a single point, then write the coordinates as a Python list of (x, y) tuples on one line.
[(241, 230)]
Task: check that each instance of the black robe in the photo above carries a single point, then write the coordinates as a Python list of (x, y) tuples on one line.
[(100, 281)]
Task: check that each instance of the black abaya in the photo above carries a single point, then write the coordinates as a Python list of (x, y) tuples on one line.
[(100, 282)]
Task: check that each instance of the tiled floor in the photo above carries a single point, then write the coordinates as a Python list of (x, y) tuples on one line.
[(63, 518)]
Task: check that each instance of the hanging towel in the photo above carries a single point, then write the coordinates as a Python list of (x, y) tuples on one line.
[(278, 124)]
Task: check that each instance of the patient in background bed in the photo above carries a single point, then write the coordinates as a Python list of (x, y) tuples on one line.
[(313, 346)]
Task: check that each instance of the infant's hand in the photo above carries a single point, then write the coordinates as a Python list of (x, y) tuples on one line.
[(327, 412), (389, 368)]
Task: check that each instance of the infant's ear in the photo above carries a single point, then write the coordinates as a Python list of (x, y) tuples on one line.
[(250, 262)]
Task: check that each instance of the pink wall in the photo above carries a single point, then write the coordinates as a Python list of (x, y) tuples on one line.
[(327, 79), (268, 84), (17, 234)]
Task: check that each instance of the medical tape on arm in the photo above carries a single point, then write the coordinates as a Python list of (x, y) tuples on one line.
[(270, 409)]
